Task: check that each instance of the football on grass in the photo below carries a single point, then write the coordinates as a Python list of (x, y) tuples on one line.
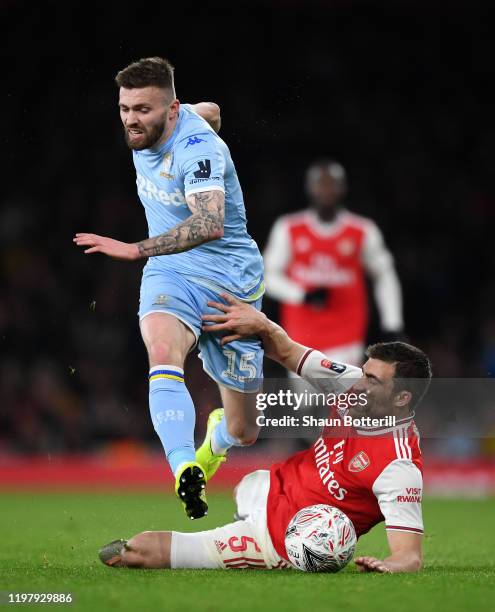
[(320, 538)]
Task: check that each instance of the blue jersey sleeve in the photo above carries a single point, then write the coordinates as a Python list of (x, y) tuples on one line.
[(202, 163)]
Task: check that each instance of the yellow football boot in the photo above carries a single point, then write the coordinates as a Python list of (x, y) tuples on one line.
[(190, 485), (204, 455)]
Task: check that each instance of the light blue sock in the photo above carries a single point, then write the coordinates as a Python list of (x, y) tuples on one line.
[(173, 414), (221, 440)]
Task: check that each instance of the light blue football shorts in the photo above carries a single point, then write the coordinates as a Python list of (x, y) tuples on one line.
[(239, 364)]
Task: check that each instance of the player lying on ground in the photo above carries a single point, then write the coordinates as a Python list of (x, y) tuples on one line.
[(198, 247), (371, 474)]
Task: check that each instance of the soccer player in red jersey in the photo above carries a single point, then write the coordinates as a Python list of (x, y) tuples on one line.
[(372, 474), (316, 264)]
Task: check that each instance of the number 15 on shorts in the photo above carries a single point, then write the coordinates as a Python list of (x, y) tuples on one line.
[(244, 366)]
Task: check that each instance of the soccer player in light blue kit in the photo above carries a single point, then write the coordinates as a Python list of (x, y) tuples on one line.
[(198, 248)]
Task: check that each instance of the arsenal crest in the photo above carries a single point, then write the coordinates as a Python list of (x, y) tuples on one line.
[(359, 462), (346, 247)]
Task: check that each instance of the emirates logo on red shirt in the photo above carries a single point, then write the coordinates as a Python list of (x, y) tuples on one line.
[(359, 462)]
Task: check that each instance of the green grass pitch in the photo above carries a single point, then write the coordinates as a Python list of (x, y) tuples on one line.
[(49, 544)]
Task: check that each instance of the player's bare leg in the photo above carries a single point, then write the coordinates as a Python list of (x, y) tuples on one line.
[(168, 341), (224, 547), (241, 428), (243, 543), (240, 413), (165, 550), (150, 550)]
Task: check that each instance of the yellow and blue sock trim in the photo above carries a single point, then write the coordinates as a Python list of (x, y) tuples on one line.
[(166, 372)]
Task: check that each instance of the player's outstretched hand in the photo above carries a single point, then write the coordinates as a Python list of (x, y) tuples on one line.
[(371, 564), (107, 246), (239, 318)]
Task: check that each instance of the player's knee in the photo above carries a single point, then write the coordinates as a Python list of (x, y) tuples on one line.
[(245, 434), (163, 352)]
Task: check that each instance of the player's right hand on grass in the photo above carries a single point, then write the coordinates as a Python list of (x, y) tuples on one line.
[(242, 319)]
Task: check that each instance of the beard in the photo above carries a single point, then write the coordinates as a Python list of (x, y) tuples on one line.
[(147, 139)]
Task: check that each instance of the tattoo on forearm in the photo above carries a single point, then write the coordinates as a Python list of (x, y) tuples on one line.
[(205, 224)]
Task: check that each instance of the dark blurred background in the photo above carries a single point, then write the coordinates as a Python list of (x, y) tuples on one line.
[(399, 92)]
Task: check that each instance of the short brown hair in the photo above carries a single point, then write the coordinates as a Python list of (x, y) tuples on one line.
[(412, 366), (147, 72)]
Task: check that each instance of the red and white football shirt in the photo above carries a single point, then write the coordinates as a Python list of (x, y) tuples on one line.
[(372, 475), (304, 253)]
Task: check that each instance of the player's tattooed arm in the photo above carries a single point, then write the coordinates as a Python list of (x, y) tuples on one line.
[(205, 224)]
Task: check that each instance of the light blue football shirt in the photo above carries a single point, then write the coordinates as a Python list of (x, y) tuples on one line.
[(196, 159)]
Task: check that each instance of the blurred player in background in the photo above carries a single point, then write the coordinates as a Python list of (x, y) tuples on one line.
[(198, 247), (315, 266), (372, 474)]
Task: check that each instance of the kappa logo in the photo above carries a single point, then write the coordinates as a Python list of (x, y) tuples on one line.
[(167, 164), (359, 462), (340, 368), (194, 140)]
